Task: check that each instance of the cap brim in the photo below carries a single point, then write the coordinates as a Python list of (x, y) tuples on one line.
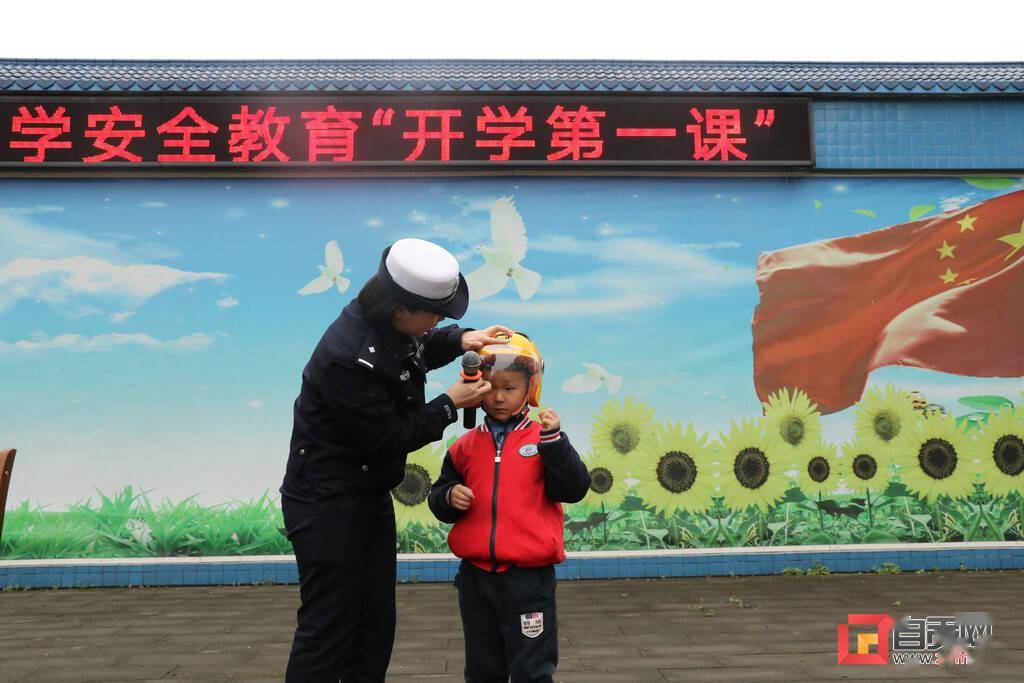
[(454, 309)]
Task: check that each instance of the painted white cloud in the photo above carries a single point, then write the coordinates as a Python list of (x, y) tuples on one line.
[(227, 302), (417, 217), (63, 280), (153, 205), (628, 274), (952, 203), (280, 203), (29, 210), (78, 343), (256, 405), (118, 318)]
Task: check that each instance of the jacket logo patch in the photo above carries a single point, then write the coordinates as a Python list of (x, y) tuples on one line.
[(532, 624), (404, 376), (529, 450)]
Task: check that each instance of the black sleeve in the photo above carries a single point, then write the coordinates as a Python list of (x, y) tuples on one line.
[(442, 345), (438, 500), (566, 478), (371, 420)]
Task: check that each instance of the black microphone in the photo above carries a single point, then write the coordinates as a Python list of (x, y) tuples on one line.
[(470, 373)]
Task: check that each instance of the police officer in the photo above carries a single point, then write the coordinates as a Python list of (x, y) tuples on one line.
[(360, 411)]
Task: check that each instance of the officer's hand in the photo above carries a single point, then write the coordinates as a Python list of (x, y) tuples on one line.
[(468, 394), (549, 420), (461, 497), (477, 339)]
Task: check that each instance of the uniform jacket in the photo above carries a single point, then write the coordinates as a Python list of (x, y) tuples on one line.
[(516, 516), (361, 408)]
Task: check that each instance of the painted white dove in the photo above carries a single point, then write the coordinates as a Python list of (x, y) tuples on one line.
[(502, 261), (329, 274), (592, 380)]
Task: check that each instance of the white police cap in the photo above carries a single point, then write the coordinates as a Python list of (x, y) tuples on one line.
[(424, 276)]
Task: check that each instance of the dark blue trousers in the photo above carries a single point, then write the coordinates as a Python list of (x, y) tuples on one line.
[(345, 549), (510, 624)]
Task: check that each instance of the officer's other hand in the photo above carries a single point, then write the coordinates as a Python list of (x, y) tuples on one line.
[(549, 420), (461, 497), (468, 394), (475, 340)]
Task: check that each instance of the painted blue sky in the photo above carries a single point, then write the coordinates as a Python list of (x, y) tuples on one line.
[(151, 332)]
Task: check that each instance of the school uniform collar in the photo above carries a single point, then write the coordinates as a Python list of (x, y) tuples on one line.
[(520, 422)]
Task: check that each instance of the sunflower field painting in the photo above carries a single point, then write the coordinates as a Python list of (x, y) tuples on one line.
[(742, 362)]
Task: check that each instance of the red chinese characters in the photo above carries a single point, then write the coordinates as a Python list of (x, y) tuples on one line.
[(188, 124), (332, 133), (716, 134), (511, 127), (444, 136), (499, 130), (101, 136), (576, 134), (45, 128), (258, 132)]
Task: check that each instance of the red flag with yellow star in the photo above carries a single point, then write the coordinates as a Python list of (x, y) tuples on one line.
[(944, 293)]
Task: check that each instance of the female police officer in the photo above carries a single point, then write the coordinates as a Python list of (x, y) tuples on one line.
[(360, 411)]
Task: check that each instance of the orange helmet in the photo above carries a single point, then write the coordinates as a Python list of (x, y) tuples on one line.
[(516, 352)]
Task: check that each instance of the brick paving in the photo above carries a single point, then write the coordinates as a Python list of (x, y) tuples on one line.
[(765, 628)]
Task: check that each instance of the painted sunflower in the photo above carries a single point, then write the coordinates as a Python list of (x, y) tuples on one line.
[(819, 475), (999, 449), (621, 428), (862, 468), (935, 460), (675, 470), (795, 420), (607, 481), (881, 416), (753, 474), (421, 469)]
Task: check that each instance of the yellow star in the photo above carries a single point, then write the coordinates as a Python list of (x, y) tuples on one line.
[(967, 281), (967, 223), (948, 276), (1015, 240), (946, 250)]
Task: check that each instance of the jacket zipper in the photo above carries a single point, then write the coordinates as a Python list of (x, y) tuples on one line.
[(494, 508)]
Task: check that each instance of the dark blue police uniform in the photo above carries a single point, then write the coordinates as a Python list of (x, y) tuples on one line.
[(360, 411)]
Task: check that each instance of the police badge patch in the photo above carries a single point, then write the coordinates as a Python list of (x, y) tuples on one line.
[(532, 624)]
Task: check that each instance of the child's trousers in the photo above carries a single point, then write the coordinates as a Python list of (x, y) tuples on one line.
[(510, 624)]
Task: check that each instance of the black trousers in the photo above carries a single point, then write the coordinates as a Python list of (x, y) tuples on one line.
[(345, 549), (510, 624)]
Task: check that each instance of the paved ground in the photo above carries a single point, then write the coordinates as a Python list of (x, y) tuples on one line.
[(769, 628)]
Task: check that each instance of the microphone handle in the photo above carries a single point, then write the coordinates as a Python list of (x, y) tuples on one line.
[(469, 414)]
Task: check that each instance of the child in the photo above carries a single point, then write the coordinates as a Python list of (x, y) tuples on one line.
[(502, 484)]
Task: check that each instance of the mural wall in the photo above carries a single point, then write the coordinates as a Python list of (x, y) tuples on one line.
[(742, 361)]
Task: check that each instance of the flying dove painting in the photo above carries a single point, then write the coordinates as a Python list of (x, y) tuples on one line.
[(593, 379), (503, 258), (330, 274)]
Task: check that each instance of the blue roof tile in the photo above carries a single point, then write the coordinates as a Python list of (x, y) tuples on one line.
[(875, 78)]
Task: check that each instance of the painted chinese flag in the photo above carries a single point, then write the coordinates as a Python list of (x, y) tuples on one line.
[(943, 293)]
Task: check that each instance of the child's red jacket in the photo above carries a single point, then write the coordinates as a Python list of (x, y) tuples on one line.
[(516, 515)]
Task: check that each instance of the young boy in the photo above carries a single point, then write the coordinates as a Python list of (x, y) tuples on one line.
[(502, 485)]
